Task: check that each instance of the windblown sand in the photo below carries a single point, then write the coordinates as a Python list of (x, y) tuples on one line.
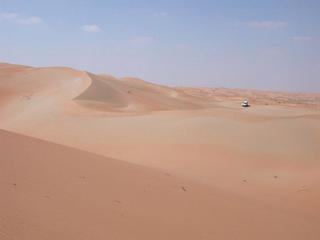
[(96, 157)]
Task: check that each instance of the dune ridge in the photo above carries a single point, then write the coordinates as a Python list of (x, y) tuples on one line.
[(107, 93)]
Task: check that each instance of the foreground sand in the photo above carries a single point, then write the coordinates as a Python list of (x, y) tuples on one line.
[(190, 164), (53, 192)]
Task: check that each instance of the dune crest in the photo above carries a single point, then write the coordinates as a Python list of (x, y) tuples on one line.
[(31, 94), (107, 93)]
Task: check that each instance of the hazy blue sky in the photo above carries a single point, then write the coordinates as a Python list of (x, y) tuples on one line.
[(262, 44)]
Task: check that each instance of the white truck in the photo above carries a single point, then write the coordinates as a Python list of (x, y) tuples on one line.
[(245, 103)]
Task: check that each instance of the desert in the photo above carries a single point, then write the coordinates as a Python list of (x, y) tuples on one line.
[(88, 156)]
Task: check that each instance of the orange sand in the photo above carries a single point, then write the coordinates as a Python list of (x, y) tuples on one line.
[(172, 163)]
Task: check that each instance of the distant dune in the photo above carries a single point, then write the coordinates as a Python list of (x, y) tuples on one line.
[(87, 156), (107, 93)]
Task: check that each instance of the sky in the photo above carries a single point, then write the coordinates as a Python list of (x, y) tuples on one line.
[(255, 44)]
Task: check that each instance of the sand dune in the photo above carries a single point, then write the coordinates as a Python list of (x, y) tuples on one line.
[(107, 93), (56, 192), (188, 163), (33, 94)]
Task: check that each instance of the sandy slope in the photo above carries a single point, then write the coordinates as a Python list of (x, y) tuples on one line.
[(49, 191), (33, 94), (255, 172), (107, 93)]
